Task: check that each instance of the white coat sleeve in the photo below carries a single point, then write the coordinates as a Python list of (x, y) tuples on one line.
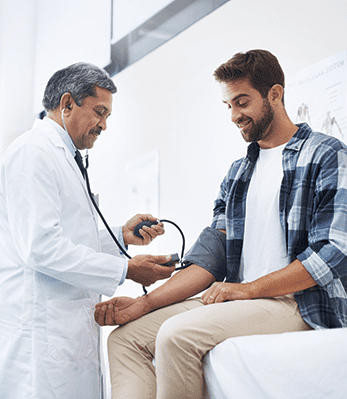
[(108, 246), (47, 237)]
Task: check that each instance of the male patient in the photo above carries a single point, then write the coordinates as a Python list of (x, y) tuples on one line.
[(274, 259)]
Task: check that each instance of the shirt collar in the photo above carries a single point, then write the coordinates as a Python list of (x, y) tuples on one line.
[(253, 152), (64, 135), (295, 143), (299, 138)]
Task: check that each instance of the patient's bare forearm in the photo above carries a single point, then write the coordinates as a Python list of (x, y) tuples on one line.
[(184, 284)]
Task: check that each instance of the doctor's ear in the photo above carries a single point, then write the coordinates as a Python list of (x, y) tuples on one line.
[(66, 102)]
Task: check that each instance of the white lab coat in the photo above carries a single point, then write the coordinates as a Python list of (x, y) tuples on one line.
[(51, 272)]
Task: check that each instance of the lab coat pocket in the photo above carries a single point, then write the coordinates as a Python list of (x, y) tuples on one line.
[(70, 329)]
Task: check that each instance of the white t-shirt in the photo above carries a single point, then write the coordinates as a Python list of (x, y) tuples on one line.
[(264, 248)]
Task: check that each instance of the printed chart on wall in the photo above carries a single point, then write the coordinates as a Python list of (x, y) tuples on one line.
[(318, 95)]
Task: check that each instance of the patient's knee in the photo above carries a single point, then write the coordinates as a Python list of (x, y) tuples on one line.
[(172, 335)]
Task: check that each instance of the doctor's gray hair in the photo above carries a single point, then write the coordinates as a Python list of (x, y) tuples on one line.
[(80, 80)]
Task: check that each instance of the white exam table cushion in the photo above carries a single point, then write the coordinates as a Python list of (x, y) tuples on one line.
[(295, 365)]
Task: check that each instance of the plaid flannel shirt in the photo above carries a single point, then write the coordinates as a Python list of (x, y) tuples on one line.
[(313, 215)]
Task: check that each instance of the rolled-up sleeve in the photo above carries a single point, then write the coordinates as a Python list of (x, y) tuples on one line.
[(219, 220), (209, 252)]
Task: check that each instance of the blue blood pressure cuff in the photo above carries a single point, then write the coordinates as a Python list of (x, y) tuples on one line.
[(209, 252)]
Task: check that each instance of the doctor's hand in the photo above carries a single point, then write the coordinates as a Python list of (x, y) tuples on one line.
[(148, 233), (120, 310), (147, 269)]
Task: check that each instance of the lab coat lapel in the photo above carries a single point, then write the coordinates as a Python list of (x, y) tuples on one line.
[(77, 170), (58, 142)]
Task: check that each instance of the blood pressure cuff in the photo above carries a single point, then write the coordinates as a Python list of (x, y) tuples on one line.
[(209, 252)]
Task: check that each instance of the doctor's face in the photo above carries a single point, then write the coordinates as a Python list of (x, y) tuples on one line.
[(85, 123)]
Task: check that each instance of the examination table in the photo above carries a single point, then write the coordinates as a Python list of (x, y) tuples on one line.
[(296, 365)]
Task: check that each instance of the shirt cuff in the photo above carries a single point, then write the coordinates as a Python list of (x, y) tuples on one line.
[(125, 270), (124, 275), (219, 223)]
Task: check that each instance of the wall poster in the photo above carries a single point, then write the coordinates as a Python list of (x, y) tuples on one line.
[(317, 95)]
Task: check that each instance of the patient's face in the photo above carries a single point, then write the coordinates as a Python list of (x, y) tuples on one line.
[(251, 113)]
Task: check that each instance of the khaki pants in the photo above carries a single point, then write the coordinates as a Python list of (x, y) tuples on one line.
[(179, 336)]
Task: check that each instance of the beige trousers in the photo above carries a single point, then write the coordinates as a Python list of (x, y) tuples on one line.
[(179, 336)]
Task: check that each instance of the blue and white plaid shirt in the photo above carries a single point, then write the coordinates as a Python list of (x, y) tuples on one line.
[(313, 214)]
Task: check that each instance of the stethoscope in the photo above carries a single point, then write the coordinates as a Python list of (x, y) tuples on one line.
[(174, 257)]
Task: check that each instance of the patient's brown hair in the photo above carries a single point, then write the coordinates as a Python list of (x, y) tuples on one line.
[(259, 66)]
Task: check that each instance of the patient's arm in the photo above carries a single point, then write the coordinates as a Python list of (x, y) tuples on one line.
[(182, 285), (290, 279), (209, 249)]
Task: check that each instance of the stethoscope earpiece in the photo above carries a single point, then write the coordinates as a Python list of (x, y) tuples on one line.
[(67, 107)]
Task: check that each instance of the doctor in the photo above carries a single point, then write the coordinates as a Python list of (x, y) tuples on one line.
[(54, 262)]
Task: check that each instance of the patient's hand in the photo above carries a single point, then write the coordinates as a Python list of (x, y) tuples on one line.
[(223, 292), (120, 310)]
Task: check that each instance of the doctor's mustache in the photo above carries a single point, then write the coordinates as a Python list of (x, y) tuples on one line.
[(95, 131)]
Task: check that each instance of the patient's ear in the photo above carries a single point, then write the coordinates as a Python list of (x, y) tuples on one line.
[(276, 94)]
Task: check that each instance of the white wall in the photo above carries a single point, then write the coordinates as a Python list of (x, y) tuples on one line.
[(170, 101), (38, 37), (69, 31), (17, 53)]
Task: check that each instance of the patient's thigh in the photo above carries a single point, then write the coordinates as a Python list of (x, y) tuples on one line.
[(142, 333), (209, 325)]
